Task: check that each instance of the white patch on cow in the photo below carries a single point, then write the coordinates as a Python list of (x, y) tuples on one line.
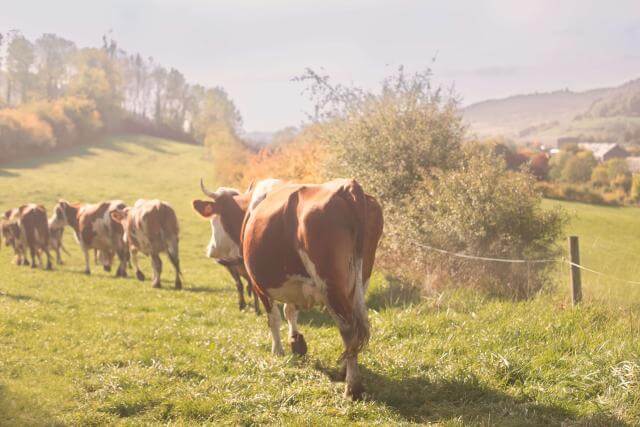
[(102, 229), (221, 245), (140, 236), (261, 190), (303, 292)]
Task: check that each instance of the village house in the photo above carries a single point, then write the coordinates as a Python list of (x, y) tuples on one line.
[(602, 151)]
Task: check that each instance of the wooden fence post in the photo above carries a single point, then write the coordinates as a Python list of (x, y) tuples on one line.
[(575, 279)]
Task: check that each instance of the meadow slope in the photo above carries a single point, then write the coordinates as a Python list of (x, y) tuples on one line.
[(98, 350)]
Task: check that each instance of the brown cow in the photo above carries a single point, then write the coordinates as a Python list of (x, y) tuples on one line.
[(11, 234), (225, 211), (151, 227), (94, 229), (33, 231)]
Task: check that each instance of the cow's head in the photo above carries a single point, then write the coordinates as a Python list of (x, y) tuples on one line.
[(221, 244), (121, 216), (63, 214), (10, 233)]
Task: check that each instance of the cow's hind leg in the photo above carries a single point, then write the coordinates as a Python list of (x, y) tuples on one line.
[(123, 256), (58, 256), (48, 255), (296, 340), (174, 257), (87, 263), (34, 256), (134, 260), (156, 263), (275, 321), (345, 301)]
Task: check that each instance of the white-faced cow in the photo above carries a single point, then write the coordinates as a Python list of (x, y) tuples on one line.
[(225, 211), (151, 227), (32, 232), (315, 244), (95, 229)]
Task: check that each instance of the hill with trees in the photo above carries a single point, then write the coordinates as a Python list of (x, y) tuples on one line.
[(607, 114), (56, 94)]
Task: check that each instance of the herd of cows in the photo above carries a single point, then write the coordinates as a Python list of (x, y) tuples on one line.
[(297, 244)]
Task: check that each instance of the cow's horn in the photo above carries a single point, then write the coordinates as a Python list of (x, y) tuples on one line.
[(207, 192)]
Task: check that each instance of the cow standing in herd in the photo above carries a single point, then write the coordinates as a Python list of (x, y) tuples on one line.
[(225, 211), (28, 229), (95, 229), (10, 232), (305, 245), (151, 227)]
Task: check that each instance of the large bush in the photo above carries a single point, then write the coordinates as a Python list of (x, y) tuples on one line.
[(43, 126), (405, 145)]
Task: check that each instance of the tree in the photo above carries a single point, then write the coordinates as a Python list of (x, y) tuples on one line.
[(599, 176), (616, 168), (53, 61), (20, 59), (539, 166), (579, 167)]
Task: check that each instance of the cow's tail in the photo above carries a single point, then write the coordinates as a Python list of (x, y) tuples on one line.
[(359, 330)]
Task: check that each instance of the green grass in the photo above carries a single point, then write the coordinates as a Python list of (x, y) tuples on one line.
[(98, 350), (610, 243)]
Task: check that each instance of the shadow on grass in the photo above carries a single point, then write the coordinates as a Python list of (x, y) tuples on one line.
[(421, 400), (17, 297), (393, 294), (89, 150), (7, 174), (22, 410)]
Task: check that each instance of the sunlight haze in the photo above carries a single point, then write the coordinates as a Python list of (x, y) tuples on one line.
[(488, 49)]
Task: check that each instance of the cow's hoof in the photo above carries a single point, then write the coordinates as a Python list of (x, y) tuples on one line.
[(107, 268), (242, 305), (178, 284), (156, 285), (87, 272), (140, 276), (298, 344), (49, 267), (33, 265), (354, 391)]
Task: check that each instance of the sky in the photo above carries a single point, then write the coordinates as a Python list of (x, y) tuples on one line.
[(486, 49)]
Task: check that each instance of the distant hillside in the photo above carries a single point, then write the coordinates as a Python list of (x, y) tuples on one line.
[(611, 114), (621, 101), (520, 116)]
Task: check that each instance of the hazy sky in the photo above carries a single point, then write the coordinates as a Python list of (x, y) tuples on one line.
[(487, 48)]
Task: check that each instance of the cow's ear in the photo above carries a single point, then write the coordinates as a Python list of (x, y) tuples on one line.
[(118, 216), (205, 208)]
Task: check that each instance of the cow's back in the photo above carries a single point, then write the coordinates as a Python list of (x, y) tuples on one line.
[(34, 225), (153, 226)]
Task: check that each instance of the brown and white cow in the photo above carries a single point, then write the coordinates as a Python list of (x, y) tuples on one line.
[(315, 244), (10, 232), (225, 211), (55, 239), (33, 232), (95, 229), (151, 227)]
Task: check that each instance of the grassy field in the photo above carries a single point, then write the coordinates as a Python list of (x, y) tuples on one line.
[(609, 243), (99, 350)]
